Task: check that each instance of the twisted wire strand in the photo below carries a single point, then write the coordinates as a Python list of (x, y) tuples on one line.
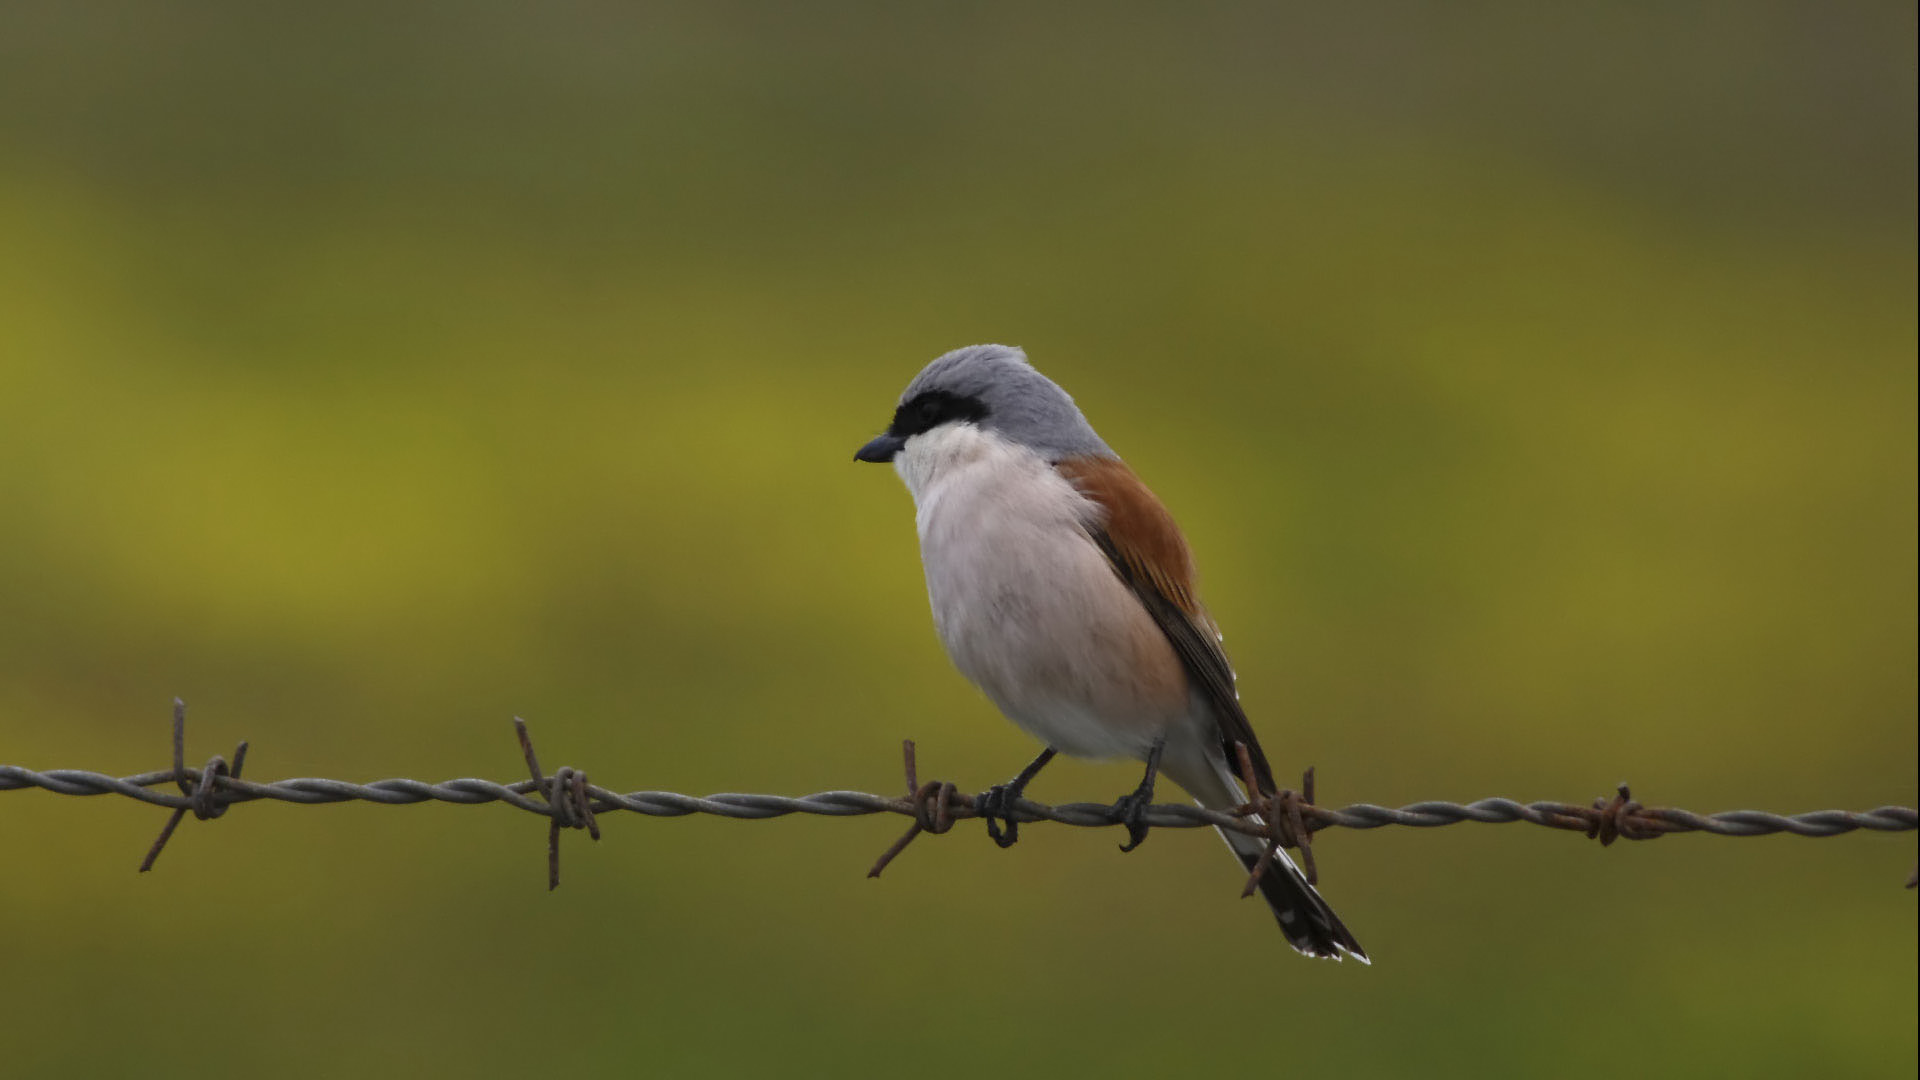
[(1635, 822), (565, 798)]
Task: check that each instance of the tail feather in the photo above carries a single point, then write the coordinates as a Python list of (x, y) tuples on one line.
[(1308, 921)]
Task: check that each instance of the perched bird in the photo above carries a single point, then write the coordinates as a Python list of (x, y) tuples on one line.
[(1062, 588)]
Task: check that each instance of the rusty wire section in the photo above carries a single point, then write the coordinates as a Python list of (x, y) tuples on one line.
[(1287, 818)]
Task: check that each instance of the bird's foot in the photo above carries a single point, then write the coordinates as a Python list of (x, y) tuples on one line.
[(994, 805), (1131, 810)]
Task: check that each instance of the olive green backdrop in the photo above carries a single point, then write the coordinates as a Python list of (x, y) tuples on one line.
[(1537, 386)]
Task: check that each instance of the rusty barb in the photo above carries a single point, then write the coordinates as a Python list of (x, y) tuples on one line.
[(1283, 819), (932, 806), (1284, 813)]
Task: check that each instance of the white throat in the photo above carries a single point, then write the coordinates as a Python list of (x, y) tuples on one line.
[(932, 457)]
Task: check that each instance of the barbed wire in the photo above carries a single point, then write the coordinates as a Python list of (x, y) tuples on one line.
[(1287, 818)]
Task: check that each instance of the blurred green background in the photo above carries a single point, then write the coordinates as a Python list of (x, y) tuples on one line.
[(1536, 383)]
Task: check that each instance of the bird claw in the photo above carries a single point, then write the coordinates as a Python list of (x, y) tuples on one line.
[(997, 801), (1131, 811)]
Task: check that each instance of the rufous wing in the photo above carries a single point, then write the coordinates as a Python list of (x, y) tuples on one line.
[(1150, 555)]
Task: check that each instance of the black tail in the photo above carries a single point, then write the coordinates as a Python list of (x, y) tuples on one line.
[(1308, 921)]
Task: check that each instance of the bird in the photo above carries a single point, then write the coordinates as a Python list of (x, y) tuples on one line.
[(1062, 588)]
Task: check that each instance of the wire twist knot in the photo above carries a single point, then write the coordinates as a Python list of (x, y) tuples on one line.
[(205, 791), (1621, 817), (566, 793), (933, 806), (569, 802)]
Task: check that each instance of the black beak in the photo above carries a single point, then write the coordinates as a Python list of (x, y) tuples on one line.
[(880, 449)]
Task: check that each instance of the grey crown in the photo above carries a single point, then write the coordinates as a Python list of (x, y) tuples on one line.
[(1023, 405)]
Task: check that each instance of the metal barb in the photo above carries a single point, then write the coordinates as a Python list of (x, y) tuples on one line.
[(203, 788), (1256, 805), (569, 801), (931, 805), (1300, 837), (1283, 814)]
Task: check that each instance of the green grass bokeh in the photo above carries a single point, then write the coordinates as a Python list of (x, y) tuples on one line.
[(1536, 385)]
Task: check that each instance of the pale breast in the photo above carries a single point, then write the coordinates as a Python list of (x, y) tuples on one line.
[(1029, 608)]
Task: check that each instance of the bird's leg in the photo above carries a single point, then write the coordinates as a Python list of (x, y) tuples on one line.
[(997, 801), (1131, 809)]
